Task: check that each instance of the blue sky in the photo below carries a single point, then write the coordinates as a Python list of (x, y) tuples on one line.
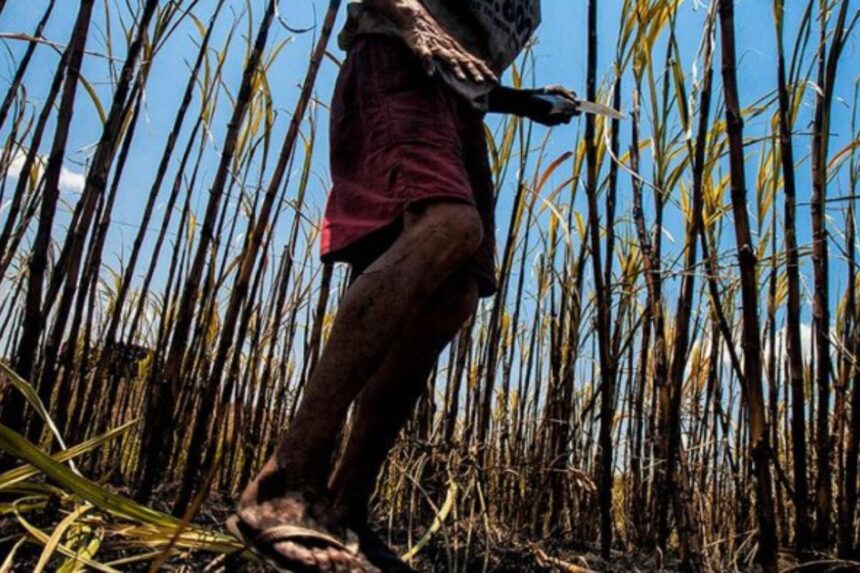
[(559, 59)]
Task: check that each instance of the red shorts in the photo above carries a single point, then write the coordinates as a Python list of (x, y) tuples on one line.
[(400, 138)]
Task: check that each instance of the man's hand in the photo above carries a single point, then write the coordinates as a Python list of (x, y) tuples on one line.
[(431, 42), (543, 111), (531, 104)]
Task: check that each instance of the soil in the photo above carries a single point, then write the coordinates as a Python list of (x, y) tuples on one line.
[(514, 555)]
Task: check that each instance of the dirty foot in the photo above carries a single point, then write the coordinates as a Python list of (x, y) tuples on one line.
[(296, 532)]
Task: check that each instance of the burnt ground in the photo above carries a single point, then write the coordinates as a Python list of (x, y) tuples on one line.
[(511, 554)]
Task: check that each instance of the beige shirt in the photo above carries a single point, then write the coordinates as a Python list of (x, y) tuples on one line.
[(494, 30)]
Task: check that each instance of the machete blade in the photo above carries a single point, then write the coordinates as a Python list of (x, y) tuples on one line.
[(598, 109)]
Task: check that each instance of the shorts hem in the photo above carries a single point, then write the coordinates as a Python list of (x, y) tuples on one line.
[(350, 252)]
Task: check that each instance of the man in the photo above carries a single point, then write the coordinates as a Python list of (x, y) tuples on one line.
[(411, 209)]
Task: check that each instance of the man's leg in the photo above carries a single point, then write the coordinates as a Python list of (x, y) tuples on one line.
[(394, 390), (437, 239)]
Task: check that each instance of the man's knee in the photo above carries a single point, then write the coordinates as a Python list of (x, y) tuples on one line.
[(454, 303), (466, 228), (450, 227)]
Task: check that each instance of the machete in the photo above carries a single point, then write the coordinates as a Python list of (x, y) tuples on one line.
[(564, 105)]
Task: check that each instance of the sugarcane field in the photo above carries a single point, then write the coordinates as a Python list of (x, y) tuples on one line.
[(454, 286)]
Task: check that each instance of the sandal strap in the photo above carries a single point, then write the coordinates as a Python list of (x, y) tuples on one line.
[(294, 532)]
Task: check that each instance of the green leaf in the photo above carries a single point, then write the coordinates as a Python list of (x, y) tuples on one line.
[(53, 542), (42, 537), (33, 398), (22, 473), (17, 445), (6, 567)]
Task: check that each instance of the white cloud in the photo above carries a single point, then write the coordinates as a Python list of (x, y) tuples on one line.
[(806, 342), (703, 346), (70, 181)]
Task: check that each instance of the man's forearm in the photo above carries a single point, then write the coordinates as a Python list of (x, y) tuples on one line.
[(512, 101), (534, 104)]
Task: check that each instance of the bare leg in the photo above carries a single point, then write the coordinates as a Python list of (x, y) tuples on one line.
[(395, 389), (437, 239)]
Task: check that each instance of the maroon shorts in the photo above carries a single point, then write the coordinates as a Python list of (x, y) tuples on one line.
[(400, 138)]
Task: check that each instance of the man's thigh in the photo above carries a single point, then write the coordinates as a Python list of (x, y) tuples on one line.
[(428, 214)]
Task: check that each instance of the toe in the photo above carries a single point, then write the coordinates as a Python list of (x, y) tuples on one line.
[(343, 562), (294, 552), (323, 559), (336, 558)]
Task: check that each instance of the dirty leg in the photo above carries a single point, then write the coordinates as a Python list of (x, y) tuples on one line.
[(395, 389)]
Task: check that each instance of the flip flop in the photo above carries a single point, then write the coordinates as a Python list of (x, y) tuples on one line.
[(379, 553), (262, 544)]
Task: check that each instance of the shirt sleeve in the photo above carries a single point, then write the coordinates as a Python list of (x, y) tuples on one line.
[(477, 94)]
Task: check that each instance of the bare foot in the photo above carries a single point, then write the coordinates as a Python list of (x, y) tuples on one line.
[(263, 508)]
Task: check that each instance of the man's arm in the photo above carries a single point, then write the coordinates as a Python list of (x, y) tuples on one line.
[(430, 41), (528, 103)]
